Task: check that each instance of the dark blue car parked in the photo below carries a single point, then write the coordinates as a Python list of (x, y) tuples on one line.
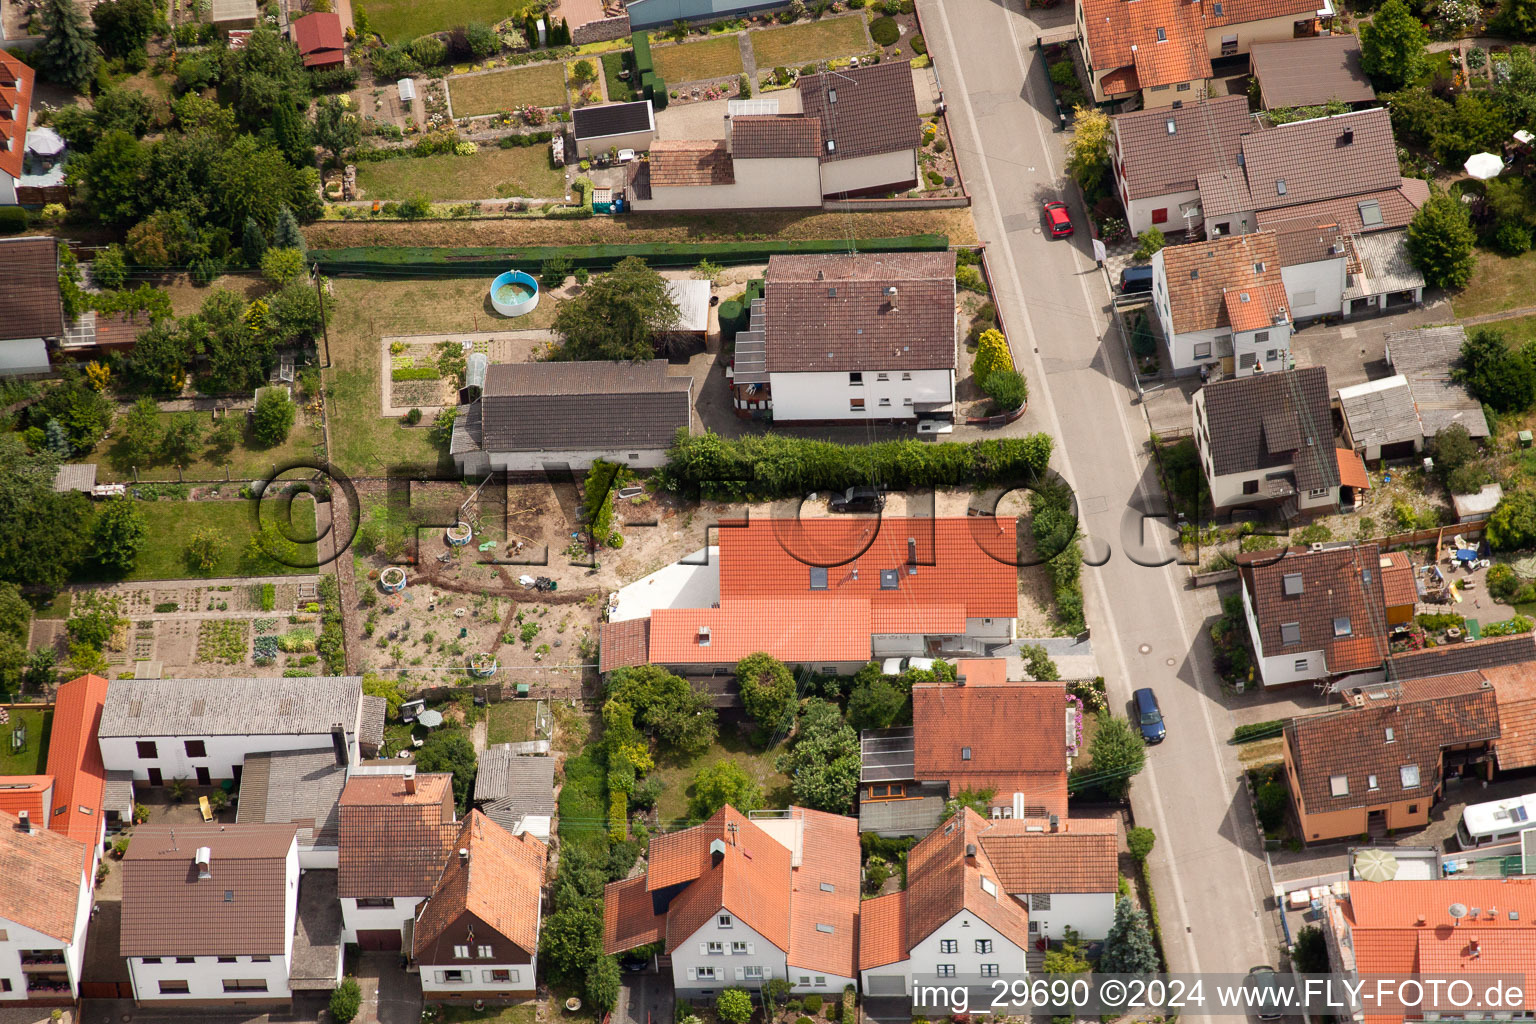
[(1149, 717)]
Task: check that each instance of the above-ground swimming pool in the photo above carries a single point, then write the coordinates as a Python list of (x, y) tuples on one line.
[(514, 293)]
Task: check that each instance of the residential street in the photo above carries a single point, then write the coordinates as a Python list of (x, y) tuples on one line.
[(1208, 872)]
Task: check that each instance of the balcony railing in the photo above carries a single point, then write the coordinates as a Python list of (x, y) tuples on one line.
[(42, 958)]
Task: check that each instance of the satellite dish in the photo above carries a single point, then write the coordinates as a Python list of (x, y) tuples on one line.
[(1457, 910)]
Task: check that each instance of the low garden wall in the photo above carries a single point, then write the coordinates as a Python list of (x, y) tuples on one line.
[(876, 205), (601, 31)]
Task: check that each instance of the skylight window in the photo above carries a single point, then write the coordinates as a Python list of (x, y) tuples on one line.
[(1280, 186), (890, 579), (1293, 584), (1370, 214), (824, 928), (1410, 775), (1290, 633), (965, 753), (818, 577), (1162, 35), (1341, 626), (1338, 785)]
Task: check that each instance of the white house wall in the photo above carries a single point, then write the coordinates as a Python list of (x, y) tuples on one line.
[(534, 462), (1314, 289), (205, 978), (223, 752), (325, 858), (478, 979), (877, 981), (729, 967), (826, 395), (632, 140), (805, 980), (7, 190), (759, 184), (19, 937), (965, 928), (881, 171), (1090, 914), (376, 919)]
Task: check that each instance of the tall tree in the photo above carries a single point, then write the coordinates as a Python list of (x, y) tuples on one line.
[(823, 759), (1441, 241), (1115, 755), (123, 26), (117, 535), (113, 174), (767, 692), (721, 783), (1088, 147), (1128, 948), (252, 242), (1392, 45), (1501, 377), (30, 552), (337, 129), (264, 75), (68, 53), (287, 234), (140, 435), (618, 316)]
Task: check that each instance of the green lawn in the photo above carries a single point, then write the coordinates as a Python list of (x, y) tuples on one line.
[(1499, 283), (401, 20), (521, 1013), (489, 174), (170, 523), (696, 62), (672, 806), (794, 45), (32, 759), (246, 461), (511, 721), (1439, 66), (619, 89), (542, 85)]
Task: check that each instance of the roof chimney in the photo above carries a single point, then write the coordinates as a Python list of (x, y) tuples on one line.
[(204, 860), (970, 851), (911, 550), (1348, 138), (339, 742), (24, 821), (463, 855), (716, 851), (960, 680), (1055, 823), (410, 781), (1018, 804)]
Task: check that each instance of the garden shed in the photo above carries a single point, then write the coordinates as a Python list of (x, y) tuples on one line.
[(230, 14), (614, 126)]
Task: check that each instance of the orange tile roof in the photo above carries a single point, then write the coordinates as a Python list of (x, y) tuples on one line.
[(1402, 927), (629, 919), (942, 881), (501, 884), (1514, 687), (983, 671), (1163, 39), (792, 630), (883, 930), (1120, 81), (830, 855), (30, 793), (15, 110), (74, 759), (1256, 307), (1082, 856), (1352, 474), (1397, 576), (751, 882), (685, 162), (1202, 278), (390, 842), (45, 872), (1013, 733)]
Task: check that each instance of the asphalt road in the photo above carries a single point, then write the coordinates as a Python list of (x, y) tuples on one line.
[(1207, 870)]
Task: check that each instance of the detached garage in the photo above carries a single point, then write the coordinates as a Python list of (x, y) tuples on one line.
[(613, 126)]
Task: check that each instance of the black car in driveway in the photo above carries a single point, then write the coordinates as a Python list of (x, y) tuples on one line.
[(858, 499)]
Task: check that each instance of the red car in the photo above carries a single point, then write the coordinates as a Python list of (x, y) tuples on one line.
[(1058, 222)]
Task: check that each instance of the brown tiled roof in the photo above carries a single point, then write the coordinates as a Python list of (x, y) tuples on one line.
[(829, 856), (774, 137), (942, 881), (1324, 158), (240, 909), (1205, 140), (319, 38), (1397, 580), (1081, 856), (1271, 420), (835, 313), (120, 328), (625, 644), (16, 81), (1486, 653), (1223, 192), (1237, 12), (1338, 610), (883, 930), (1204, 277), (629, 917), (500, 883), (45, 870), (1308, 233), (30, 306), (558, 406), (1515, 688), (1310, 72), (875, 110), (391, 842), (1355, 742), (1007, 738), (679, 163), (1163, 39)]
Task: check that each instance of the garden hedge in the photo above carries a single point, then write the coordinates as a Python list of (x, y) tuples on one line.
[(1257, 731), (641, 41), (780, 466), (440, 262)]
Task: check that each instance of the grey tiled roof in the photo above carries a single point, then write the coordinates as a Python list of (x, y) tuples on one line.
[(466, 430), (1274, 419), (561, 406), (509, 786), (230, 707), (612, 119), (1428, 348), (1310, 72), (1427, 357), (79, 476), (370, 732), (875, 110), (1465, 657), (1324, 158), (1205, 140), (836, 313), (294, 787), (1379, 415), (118, 793)]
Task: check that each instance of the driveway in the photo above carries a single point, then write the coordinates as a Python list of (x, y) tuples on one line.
[(1355, 351), (645, 999), (390, 996)]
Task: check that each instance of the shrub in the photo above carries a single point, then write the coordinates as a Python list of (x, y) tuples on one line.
[(1502, 582), (812, 1003), (554, 272), (1512, 238), (428, 51), (1269, 803), (969, 277), (110, 268), (273, 417), (1510, 627), (884, 31), (1257, 731), (1149, 242), (1140, 841), (919, 46), (346, 1001), (734, 1006), (1007, 390)]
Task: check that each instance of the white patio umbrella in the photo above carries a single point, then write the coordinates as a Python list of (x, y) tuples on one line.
[(45, 141), (1375, 865), (1484, 165)]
